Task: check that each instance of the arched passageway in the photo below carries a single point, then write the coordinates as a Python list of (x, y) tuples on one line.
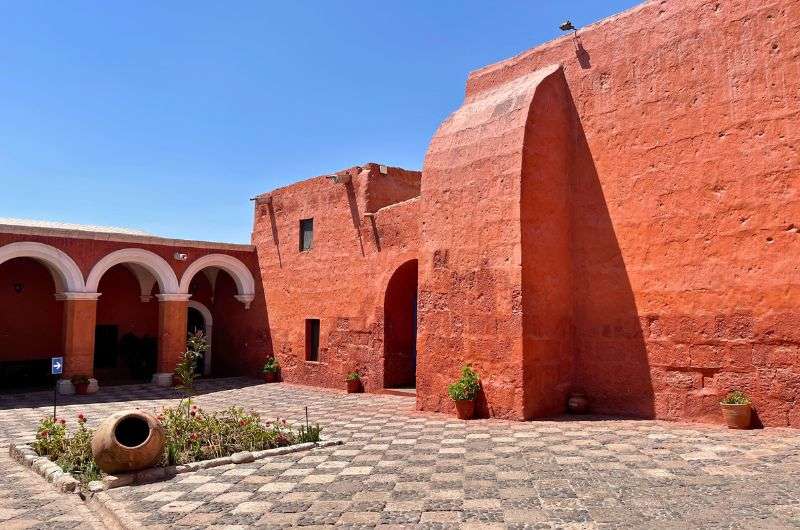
[(126, 329), (199, 318), (400, 328), (31, 324)]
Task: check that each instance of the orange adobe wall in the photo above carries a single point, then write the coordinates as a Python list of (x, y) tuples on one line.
[(365, 229), (618, 214)]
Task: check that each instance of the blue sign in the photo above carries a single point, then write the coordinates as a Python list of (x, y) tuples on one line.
[(56, 365)]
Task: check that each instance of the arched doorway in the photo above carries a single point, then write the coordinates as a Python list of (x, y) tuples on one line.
[(400, 328), (31, 324), (222, 286), (126, 328), (199, 318)]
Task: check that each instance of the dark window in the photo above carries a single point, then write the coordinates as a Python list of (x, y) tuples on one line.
[(306, 233), (312, 339)]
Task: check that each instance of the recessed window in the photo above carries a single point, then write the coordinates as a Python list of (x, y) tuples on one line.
[(306, 234), (312, 339)]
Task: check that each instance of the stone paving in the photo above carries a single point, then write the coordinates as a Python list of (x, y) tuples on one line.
[(402, 468)]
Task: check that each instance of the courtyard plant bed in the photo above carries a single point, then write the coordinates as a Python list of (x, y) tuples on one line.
[(464, 391), (194, 439)]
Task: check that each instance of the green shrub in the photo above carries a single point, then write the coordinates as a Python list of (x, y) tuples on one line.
[(50, 438), (73, 452), (308, 434), (353, 376), (737, 397), (467, 386)]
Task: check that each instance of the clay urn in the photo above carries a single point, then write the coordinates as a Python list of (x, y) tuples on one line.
[(270, 377), (354, 386), (737, 415), (465, 408), (128, 440), (578, 403)]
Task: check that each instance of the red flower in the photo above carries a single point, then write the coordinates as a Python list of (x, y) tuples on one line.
[(62, 421), (193, 413), (81, 418), (193, 436)]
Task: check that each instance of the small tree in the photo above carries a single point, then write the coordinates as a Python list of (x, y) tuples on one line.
[(196, 346)]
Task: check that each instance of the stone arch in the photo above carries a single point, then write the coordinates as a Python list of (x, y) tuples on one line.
[(66, 274), (245, 284), (209, 322), (153, 263), (400, 327)]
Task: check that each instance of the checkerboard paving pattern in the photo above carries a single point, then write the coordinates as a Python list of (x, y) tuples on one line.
[(28, 501), (401, 468)]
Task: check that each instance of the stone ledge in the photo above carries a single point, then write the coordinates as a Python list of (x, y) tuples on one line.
[(23, 453)]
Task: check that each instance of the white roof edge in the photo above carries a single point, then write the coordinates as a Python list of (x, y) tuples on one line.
[(121, 237)]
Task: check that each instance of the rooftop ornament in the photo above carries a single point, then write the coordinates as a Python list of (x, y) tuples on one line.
[(568, 26)]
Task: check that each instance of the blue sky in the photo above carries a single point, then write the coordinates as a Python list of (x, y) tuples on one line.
[(169, 116)]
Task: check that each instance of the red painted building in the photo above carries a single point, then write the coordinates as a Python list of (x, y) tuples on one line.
[(117, 305), (614, 212)]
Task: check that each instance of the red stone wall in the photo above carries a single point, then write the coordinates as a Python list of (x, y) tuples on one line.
[(342, 280), (684, 214), (120, 304), (32, 319)]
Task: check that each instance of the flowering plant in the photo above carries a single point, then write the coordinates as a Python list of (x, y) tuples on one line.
[(73, 452)]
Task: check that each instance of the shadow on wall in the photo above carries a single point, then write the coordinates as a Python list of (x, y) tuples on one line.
[(611, 363), (242, 337)]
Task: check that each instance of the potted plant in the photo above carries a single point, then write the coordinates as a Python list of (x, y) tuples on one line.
[(578, 403), (736, 409), (81, 384), (270, 370), (464, 391), (353, 383)]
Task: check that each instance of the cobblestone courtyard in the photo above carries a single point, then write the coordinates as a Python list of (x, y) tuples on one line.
[(401, 467)]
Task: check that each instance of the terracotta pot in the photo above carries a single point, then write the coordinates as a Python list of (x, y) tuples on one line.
[(354, 386), (82, 389), (578, 403), (177, 380), (270, 377), (465, 409), (128, 440), (737, 416)]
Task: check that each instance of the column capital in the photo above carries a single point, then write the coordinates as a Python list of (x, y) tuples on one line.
[(73, 295), (173, 297), (246, 299)]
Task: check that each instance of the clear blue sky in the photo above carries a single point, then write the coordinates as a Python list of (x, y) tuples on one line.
[(169, 116)]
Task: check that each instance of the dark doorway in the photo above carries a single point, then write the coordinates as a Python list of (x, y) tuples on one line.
[(400, 328), (195, 321), (105, 346)]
